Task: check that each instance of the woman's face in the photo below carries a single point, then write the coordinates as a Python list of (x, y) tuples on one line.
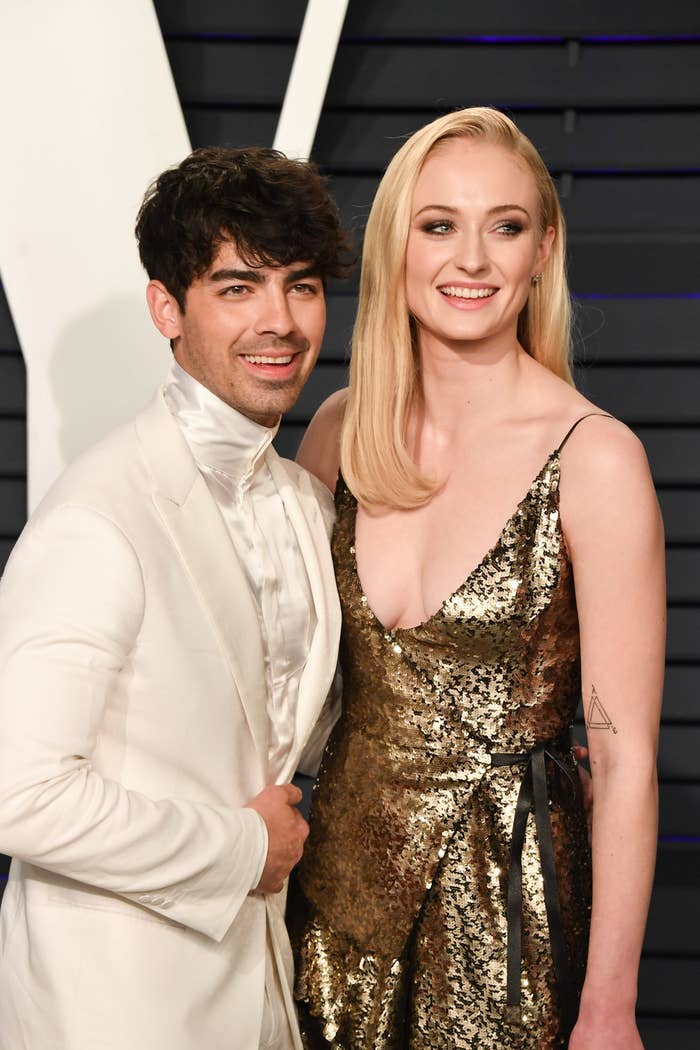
[(474, 243)]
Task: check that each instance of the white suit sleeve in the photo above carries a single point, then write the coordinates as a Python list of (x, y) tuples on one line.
[(71, 606), (310, 758)]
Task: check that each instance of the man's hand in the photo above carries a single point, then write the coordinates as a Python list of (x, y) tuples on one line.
[(581, 752), (286, 832)]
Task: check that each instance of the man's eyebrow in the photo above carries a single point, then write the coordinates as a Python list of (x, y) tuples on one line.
[(237, 275), (255, 277), (302, 274)]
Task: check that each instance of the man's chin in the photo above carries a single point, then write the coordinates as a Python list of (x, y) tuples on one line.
[(269, 409)]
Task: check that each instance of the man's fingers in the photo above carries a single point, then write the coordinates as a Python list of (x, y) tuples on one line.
[(294, 795)]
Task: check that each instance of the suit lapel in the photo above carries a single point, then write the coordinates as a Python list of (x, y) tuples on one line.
[(304, 514), (201, 539)]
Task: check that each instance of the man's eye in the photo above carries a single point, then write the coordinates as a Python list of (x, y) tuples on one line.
[(305, 289), (235, 289)]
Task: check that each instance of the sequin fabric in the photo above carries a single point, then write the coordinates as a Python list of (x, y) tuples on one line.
[(399, 913)]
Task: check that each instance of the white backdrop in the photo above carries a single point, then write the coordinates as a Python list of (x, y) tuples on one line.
[(89, 116)]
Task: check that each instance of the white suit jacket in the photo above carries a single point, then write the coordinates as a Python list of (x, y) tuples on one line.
[(133, 730)]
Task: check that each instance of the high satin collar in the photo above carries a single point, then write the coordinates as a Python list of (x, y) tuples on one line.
[(219, 436)]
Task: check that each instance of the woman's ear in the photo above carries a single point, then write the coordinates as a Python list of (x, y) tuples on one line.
[(543, 250)]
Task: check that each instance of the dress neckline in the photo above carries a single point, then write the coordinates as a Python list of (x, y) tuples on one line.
[(391, 632)]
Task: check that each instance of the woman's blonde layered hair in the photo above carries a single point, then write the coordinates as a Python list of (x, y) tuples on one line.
[(384, 374)]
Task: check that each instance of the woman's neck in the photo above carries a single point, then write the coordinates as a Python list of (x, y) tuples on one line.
[(466, 387)]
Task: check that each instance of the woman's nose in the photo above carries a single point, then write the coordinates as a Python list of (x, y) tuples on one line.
[(470, 253)]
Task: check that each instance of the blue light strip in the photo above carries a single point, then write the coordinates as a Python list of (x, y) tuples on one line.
[(246, 38), (626, 38)]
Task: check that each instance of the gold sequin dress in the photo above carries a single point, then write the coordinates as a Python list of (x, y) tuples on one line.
[(444, 896)]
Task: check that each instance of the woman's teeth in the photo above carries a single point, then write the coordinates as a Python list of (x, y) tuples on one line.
[(258, 359), (468, 293)]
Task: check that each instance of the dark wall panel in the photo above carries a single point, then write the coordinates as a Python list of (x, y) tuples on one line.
[(378, 75), (13, 385), (579, 141), (8, 335), (669, 986), (674, 921), (621, 204), (547, 18), (218, 72), (230, 127), (614, 264), (382, 75), (13, 442), (606, 330), (669, 1034), (403, 19), (276, 18), (681, 692), (679, 813), (13, 499)]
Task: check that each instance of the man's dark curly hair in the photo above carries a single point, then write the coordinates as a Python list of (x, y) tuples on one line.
[(276, 211)]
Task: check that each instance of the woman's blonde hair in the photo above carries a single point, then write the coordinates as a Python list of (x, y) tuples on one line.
[(384, 375)]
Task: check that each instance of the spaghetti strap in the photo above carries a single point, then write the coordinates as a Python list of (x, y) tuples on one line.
[(603, 415)]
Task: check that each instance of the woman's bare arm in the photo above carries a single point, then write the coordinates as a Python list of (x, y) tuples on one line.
[(614, 532), (319, 452)]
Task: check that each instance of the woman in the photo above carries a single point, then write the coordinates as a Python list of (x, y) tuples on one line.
[(445, 888)]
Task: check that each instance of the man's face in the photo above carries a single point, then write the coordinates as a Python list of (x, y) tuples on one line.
[(251, 335)]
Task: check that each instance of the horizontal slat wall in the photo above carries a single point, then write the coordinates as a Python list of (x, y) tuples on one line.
[(609, 94)]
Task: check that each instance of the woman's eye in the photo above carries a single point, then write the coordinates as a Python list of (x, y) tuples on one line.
[(510, 228), (441, 226)]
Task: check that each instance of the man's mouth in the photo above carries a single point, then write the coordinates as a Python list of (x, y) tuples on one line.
[(457, 292), (263, 359)]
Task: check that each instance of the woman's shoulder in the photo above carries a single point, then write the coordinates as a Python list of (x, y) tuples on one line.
[(319, 451), (594, 442), (606, 484), (600, 456), (588, 432)]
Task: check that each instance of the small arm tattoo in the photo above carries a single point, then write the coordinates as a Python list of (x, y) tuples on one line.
[(597, 717)]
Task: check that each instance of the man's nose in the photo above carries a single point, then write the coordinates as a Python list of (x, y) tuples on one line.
[(274, 316)]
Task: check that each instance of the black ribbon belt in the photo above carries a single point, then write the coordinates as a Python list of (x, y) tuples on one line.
[(533, 796)]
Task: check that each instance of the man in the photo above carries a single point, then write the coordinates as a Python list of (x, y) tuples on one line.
[(168, 634)]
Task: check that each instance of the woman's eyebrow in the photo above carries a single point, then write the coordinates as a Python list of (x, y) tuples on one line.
[(492, 211)]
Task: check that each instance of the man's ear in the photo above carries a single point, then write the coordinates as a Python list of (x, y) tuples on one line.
[(164, 310)]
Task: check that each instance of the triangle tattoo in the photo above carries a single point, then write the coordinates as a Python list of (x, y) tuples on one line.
[(597, 717)]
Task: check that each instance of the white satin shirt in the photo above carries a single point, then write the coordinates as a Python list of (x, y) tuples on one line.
[(230, 452)]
